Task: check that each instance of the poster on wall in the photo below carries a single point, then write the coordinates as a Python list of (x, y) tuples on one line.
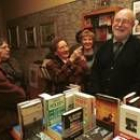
[(136, 11)]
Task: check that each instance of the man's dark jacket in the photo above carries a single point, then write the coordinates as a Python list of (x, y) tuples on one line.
[(120, 76)]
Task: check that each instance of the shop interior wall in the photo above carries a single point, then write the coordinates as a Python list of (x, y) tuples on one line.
[(67, 19)]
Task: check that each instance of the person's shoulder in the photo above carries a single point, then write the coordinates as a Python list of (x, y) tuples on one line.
[(133, 38)]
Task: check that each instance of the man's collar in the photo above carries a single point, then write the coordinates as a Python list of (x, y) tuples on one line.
[(123, 41)]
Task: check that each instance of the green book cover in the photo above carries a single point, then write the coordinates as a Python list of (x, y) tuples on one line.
[(54, 107)]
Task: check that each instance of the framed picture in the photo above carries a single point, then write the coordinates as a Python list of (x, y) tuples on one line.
[(136, 10), (105, 20), (47, 33), (13, 36), (30, 37)]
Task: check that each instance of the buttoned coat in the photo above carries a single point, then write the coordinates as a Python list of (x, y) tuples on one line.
[(120, 76)]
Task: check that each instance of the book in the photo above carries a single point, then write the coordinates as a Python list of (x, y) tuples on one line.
[(16, 132), (98, 133), (128, 97), (73, 87), (107, 112), (126, 136), (72, 123), (119, 138), (69, 100), (55, 131), (30, 115), (54, 107), (88, 103), (44, 136), (44, 95), (134, 102), (130, 121), (122, 136)]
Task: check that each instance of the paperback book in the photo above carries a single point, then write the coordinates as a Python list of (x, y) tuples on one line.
[(30, 115), (98, 133), (55, 131), (87, 102), (54, 107), (128, 97), (130, 121), (107, 112), (72, 124)]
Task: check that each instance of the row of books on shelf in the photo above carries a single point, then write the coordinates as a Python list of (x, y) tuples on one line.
[(73, 115)]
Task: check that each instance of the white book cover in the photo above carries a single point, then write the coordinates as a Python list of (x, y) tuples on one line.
[(30, 115), (44, 95), (128, 97), (88, 103), (130, 120)]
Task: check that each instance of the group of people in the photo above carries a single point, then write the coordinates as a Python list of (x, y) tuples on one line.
[(94, 70), (66, 67), (113, 69)]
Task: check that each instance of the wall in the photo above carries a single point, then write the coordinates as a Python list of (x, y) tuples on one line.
[(2, 23), (68, 20), (18, 8)]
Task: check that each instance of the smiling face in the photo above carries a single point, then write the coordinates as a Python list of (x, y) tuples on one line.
[(123, 24), (87, 42), (62, 49), (4, 51), (87, 39)]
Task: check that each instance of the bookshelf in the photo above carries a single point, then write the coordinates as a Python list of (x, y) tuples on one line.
[(101, 22)]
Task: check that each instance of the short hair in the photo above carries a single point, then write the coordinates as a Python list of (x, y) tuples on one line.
[(85, 33), (2, 40), (55, 43)]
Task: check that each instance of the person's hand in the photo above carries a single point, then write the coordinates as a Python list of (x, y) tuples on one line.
[(76, 54)]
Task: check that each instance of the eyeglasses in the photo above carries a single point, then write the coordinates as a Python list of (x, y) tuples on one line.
[(122, 21)]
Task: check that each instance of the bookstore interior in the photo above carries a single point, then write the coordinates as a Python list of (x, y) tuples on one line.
[(73, 114)]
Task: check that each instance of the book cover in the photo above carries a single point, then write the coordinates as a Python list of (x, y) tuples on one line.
[(55, 131), (88, 103), (122, 136), (72, 123), (16, 132), (130, 121), (98, 133), (107, 112), (44, 95), (135, 102), (30, 115), (126, 136), (119, 138), (69, 101), (128, 97), (54, 107)]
